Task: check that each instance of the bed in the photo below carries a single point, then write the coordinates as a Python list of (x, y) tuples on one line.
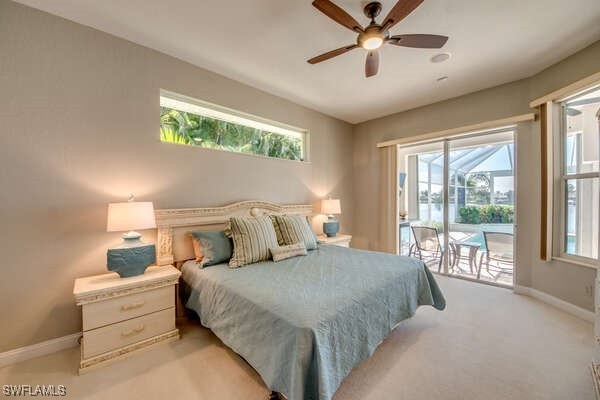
[(305, 322)]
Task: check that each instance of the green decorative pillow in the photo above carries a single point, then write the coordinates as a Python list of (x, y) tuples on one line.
[(292, 250), (211, 247), (252, 238), (294, 229)]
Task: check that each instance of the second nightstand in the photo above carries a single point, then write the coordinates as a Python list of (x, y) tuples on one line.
[(337, 240), (123, 315)]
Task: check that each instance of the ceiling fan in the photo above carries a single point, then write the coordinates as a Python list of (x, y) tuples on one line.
[(375, 35)]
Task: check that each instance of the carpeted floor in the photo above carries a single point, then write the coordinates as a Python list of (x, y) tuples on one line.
[(488, 344)]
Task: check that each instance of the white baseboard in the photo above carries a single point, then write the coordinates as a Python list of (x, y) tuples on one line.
[(556, 302), (39, 349)]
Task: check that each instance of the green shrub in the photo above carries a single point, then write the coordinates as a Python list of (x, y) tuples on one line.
[(490, 214)]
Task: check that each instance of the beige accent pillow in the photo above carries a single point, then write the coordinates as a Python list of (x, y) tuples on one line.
[(291, 250), (252, 238), (293, 229)]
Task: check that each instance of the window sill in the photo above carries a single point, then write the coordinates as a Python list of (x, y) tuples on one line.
[(577, 262)]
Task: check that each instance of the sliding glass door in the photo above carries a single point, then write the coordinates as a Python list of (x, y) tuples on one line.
[(421, 174), (482, 196), (458, 195)]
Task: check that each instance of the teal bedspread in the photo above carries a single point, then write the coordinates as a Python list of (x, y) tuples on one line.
[(305, 322)]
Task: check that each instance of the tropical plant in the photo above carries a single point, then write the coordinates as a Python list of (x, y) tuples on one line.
[(186, 128), (168, 134)]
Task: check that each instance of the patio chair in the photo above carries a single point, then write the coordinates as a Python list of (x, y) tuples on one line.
[(427, 245), (499, 247)]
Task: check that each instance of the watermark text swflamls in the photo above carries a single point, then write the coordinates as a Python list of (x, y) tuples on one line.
[(34, 390)]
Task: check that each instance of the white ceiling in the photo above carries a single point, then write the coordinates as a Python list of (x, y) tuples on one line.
[(265, 44)]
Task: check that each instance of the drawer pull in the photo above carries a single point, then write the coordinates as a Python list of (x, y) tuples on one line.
[(132, 306), (133, 331)]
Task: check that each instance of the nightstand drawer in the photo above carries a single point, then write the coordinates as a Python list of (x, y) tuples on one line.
[(112, 337), (126, 307)]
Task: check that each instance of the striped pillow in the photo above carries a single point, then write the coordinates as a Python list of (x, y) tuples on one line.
[(252, 238), (294, 229), (291, 250)]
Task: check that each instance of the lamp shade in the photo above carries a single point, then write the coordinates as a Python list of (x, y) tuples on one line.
[(331, 206), (130, 216)]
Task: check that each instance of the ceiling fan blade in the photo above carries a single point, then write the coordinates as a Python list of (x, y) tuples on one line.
[(419, 41), (372, 64), (331, 54), (399, 12), (337, 14)]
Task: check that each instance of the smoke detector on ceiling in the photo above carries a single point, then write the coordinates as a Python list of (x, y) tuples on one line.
[(441, 57)]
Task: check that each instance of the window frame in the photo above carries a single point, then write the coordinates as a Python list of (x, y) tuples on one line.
[(232, 116), (559, 117)]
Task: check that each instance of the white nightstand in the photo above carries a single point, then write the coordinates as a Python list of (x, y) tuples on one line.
[(337, 240), (124, 315)]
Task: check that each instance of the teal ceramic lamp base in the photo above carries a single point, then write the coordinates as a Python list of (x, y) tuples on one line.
[(132, 257), (331, 227)]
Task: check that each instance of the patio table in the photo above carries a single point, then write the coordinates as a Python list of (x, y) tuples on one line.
[(473, 249)]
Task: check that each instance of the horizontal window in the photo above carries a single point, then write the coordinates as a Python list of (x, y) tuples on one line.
[(196, 123)]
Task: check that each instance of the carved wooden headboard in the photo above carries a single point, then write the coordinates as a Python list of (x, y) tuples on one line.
[(174, 226)]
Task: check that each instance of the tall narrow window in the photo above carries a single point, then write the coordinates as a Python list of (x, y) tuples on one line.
[(195, 123), (580, 177)]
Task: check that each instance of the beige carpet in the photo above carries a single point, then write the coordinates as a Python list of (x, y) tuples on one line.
[(488, 344)]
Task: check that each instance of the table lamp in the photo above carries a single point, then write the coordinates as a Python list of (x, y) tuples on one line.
[(330, 207), (132, 256)]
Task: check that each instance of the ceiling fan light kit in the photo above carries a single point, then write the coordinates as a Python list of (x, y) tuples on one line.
[(371, 43), (375, 35)]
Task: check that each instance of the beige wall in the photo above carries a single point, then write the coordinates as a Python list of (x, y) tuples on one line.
[(80, 112), (562, 280)]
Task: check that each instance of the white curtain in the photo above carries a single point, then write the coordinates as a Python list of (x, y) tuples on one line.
[(388, 202)]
